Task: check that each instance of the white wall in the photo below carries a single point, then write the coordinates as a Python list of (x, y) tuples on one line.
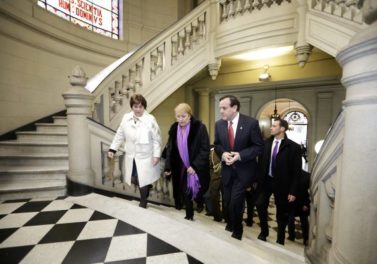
[(38, 50)]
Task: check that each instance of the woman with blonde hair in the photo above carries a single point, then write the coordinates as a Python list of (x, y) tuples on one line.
[(187, 161), (140, 134)]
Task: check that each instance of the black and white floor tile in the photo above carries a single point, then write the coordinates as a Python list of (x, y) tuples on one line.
[(60, 231)]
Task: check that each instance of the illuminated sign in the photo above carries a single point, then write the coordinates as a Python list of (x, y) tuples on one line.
[(101, 16)]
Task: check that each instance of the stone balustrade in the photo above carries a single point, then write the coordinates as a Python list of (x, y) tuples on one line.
[(347, 9)]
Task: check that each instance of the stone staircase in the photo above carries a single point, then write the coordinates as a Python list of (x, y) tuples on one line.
[(36, 163), (202, 238)]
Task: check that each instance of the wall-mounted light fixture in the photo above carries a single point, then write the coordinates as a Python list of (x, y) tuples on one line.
[(265, 76)]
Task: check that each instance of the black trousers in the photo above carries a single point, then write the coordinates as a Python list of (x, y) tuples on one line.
[(304, 226), (250, 204), (144, 191), (234, 203), (283, 209)]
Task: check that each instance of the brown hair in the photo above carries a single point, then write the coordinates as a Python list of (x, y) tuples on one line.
[(282, 123), (233, 101), (138, 99)]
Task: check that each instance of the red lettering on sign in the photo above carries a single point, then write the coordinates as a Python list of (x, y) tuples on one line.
[(64, 4)]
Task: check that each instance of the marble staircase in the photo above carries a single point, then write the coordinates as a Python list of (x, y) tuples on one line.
[(202, 238), (36, 163)]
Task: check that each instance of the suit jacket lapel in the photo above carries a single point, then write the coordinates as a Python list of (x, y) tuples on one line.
[(224, 125), (240, 128)]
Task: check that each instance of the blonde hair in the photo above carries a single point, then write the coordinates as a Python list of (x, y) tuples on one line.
[(183, 107)]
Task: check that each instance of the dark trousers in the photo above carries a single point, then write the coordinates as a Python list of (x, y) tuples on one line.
[(304, 227), (234, 203), (282, 209), (144, 191), (215, 190), (250, 204)]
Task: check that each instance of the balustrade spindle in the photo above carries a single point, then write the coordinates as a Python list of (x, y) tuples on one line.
[(181, 49), (231, 11), (224, 14), (138, 77), (117, 173), (194, 37), (247, 6), (201, 26), (160, 59), (117, 98), (319, 5), (131, 83), (174, 47), (256, 4), (238, 7), (329, 7), (188, 39), (153, 64), (339, 8)]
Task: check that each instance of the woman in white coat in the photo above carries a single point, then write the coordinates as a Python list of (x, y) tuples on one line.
[(140, 134)]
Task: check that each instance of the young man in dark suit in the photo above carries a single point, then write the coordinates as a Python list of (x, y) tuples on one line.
[(238, 142), (279, 173)]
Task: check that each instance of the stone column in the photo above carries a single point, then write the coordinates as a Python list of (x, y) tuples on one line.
[(355, 219), (204, 105), (78, 102)]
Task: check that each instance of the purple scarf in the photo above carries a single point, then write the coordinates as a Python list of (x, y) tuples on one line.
[(193, 184)]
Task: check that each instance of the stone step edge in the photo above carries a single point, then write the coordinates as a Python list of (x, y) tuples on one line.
[(33, 143), (41, 169), (34, 156), (50, 125), (21, 133), (32, 186)]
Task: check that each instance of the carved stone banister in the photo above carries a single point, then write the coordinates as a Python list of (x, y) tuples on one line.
[(138, 73)]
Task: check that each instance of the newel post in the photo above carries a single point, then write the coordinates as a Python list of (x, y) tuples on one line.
[(78, 102)]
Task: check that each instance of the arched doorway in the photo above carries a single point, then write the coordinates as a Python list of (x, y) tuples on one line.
[(296, 115)]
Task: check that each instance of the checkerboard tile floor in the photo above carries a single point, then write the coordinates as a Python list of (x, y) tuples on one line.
[(59, 231)]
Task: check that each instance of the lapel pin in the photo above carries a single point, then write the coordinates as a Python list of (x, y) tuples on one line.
[(240, 128)]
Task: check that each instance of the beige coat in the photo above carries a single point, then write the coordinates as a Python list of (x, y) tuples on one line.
[(142, 142)]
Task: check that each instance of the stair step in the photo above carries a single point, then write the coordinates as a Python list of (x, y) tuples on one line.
[(16, 147), (51, 128), (35, 136), (60, 119), (34, 159), (32, 172), (32, 189)]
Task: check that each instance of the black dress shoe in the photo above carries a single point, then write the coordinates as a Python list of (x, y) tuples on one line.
[(291, 238), (217, 219), (189, 218), (262, 237), (228, 228), (237, 235), (200, 209), (280, 241), (249, 222)]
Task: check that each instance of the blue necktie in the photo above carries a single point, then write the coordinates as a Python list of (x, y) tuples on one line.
[(273, 158)]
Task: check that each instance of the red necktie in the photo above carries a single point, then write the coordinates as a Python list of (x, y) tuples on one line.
[(231, 135)]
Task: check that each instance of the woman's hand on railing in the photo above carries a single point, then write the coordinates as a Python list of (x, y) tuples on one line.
[(110, 155)]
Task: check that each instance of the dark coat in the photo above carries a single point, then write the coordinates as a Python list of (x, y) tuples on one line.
[(302, 198), (248, 142), (287, 171), (198, 148)]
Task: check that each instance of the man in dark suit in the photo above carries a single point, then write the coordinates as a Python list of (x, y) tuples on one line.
[(238, 142), (279, 173)]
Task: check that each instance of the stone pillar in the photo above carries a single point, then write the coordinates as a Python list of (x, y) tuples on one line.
[(354, 234), (78, 102), (204, 105), (303, 49)]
